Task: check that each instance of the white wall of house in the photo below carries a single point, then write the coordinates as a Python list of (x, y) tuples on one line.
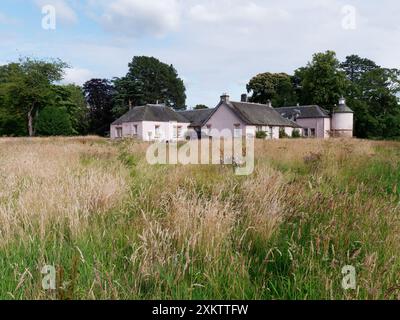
[(289, 131), (327, 127), (275, 132), (125, 130), (151, 131), (251, 131), (318, 124), (272, 132)]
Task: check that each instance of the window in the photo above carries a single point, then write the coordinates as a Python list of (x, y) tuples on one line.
[(313, 133), (157, 130), (119, 132), (305, 132), (179, 132), (237, 131), (135, 129)]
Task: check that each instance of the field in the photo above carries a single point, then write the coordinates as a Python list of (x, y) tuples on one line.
[(115, 227)]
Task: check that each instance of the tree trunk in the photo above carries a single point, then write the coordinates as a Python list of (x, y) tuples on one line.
[(30, 122)]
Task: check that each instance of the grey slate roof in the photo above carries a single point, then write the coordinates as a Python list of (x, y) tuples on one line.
[(197, 118), (343, 108), (303, 112), (259, 114), (296, 125), (151, 112)]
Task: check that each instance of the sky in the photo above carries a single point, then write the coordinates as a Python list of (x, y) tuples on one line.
[(217, 46)]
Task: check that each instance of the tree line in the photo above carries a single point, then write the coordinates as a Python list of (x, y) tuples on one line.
[(34, 103)]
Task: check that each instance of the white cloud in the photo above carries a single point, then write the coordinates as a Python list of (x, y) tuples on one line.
[(77, 76), (65, 13), (228, 11), (220, 44), (139, 17)]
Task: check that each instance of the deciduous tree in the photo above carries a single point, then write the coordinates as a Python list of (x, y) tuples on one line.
[(26, 86), (322, 81), (149, 81), (99, 94), (276, 87)]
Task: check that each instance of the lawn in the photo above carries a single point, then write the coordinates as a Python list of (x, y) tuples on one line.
[(115, 227)]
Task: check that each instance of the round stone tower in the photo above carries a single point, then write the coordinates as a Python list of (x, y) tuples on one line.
[(342, 120)]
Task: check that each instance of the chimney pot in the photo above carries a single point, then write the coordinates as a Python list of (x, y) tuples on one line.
[(225, 97), (244, 98)]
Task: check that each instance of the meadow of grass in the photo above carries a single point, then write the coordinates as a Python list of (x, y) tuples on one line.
[(117, 228)]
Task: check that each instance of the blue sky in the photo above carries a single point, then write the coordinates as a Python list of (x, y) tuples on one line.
[(216, 45)]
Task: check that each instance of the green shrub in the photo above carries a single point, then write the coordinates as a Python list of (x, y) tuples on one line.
[(296, 133), (282, 134), (54, 121), (12, 125), (261, 135)]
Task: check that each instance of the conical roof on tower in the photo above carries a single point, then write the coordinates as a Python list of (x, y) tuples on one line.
[(342, 107)]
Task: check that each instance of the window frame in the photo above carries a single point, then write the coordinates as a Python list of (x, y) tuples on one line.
[(237, 130), (135, 129), (179, 132), (157, 131), (119, 132)]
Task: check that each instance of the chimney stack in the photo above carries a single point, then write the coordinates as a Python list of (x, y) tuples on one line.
[(225, 97), (244, 98), (342, 101), (269, 103)]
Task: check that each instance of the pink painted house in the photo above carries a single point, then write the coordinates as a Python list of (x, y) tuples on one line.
[(315, 121), (242, 118), (233, 118), (319, 123), (150, 123)]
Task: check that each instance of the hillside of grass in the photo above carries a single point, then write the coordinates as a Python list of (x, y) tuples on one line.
[(116, 227)]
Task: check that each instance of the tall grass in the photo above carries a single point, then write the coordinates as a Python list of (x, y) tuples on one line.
[(117, 228)]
